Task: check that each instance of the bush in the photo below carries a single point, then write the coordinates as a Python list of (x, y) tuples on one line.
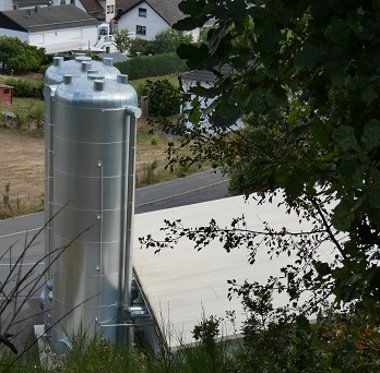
[(164, 98), (26, 88), (18, 56), (146, 66), (169, 40), (140, 47)]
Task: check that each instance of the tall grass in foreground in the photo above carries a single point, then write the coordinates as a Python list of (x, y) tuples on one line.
[(98, 356)]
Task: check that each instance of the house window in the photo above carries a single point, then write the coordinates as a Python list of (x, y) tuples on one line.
[(112, 8), (140, 30), (108, 9), (142, 12), (6, 91)]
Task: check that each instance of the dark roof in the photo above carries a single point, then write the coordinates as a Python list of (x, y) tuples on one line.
[(204, 75), (116, 56), (167, 9), (47, 18), (30, 3), (92, 6)]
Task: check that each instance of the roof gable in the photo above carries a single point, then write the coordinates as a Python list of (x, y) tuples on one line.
[(92, 6), (50, 18), (167, 9)]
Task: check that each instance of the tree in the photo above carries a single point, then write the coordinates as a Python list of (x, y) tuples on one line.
[(17, 56), (169, 40), (305, 80), (122, 40), (163, 97), (141, 47)]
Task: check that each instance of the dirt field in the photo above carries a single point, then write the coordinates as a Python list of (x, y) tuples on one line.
[(22, 165)]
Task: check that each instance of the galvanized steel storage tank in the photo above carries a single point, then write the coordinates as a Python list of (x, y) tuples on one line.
[(78, 67), (94, 165)]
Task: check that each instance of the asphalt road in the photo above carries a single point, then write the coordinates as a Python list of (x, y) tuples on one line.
[(18, 232), (201, 187)]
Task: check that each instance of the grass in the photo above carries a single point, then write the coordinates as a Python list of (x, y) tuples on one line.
[(29, 115), (151, 156)]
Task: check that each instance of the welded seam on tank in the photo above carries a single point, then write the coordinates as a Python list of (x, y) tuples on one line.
[(87, 242), (88, 142), (87, 176), (86, 209), (97, 108)]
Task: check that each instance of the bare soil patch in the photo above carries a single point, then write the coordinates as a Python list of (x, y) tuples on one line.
[(22, 168)]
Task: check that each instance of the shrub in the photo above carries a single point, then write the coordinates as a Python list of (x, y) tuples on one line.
[(169, 40), (26, 88), (140, 47), (18, 56), (146, 66), (164, 98)]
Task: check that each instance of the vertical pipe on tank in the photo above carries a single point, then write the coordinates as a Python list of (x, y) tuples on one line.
[(133, 113), (101, 219)]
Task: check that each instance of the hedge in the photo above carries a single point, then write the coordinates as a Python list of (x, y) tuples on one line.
[(148, 66), (26, 88)]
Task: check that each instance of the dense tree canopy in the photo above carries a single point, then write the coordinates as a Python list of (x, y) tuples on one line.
[(17, 56), (305, 79)]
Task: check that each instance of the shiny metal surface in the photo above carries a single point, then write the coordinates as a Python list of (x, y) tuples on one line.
[(93, 173), (80, 65)]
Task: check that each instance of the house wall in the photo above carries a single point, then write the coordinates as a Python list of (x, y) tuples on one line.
[(110, 10), (6, 5), (77, 3), (152, 22), (23, 36), (81, 35)]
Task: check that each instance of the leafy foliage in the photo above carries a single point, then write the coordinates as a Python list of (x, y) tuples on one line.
[(304, 79), (140, 47), (169, 40), (148, 66), (26, 88), (164, 99), (164, 42), (122, 40), (18, 56)]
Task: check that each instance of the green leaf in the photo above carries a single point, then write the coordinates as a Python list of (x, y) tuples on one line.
[(337, 32), (374, 195), (368, 94), (371, 134), (294, 186), (345, 138), (343, 216), (309, 57), (321, 132), (323, 269)]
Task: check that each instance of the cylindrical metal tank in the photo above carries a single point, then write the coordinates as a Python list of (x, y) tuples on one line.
[(79, 67), (94, 144)]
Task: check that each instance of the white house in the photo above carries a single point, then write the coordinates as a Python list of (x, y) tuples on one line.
[(56, 28), (146, 18)]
